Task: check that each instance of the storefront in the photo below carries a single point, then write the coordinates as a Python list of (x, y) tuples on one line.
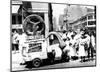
[(40, 11)]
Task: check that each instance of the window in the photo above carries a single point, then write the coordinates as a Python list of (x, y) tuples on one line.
[(91, 22), (19, 19), (53, 39), (90, 17), (16, 14), (16, 19), (13, 19), (94, 16), (84, 18), (84, 24)]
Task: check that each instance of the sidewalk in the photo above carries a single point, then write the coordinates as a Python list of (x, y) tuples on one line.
[(16, 59)]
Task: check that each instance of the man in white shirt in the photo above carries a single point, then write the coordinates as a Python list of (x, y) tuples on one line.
[(22, 45), (22, 40)]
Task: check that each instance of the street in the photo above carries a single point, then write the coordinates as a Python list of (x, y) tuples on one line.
[(51, 35), (76, 63)]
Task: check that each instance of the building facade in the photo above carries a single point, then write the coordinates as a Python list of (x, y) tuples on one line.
[(86, 21)]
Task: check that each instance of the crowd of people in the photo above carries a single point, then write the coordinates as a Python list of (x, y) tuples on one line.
[(80, 44), (18, 44)]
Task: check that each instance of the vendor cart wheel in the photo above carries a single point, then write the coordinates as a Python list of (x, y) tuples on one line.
[(36, 62)]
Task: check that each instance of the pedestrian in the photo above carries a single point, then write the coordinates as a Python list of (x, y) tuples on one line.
[(15, 42), (92, 44), (67, 49), (70, 32), (71, 52), (81, 52), (22, 46), (76, 42), (72, 47), (87, 44)]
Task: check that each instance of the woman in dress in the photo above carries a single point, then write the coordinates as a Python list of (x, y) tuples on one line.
[(82, 52)]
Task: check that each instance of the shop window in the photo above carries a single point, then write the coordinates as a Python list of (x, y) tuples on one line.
[(13, 19), (16, 19), (19, 19)]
